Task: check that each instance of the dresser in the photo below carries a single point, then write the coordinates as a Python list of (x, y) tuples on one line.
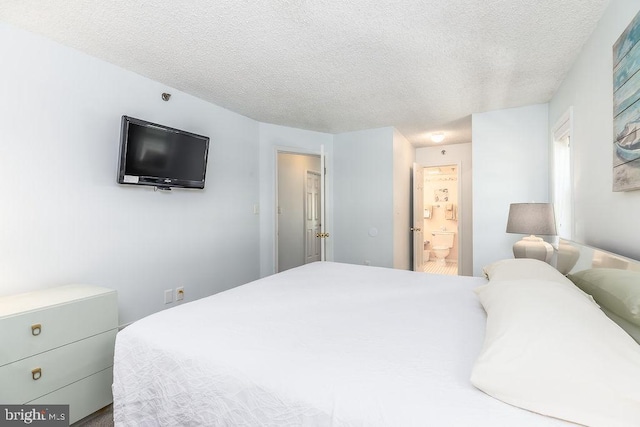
[(56, 347)]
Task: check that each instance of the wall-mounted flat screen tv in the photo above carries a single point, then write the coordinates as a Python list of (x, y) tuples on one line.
[(160, 156)]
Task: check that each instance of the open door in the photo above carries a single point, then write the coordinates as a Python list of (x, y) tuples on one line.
[(323, 221), (418, 217), (312, 220)]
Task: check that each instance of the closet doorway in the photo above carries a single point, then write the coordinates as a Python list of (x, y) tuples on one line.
[(298, 209)]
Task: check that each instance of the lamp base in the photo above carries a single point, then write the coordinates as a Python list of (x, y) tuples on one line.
[(533, 247)]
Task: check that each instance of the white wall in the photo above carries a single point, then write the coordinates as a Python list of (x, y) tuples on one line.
[(403, 156), (510, 165), (602, 218), (456, 154), (64, 217), (363, 197), (272, 139)]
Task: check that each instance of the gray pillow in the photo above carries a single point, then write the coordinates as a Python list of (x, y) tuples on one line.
[(616, 290)]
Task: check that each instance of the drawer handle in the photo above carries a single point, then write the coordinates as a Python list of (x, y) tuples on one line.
[(36, 329), (36, 373)]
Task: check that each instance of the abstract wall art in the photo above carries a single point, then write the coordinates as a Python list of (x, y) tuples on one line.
[(626, 108)]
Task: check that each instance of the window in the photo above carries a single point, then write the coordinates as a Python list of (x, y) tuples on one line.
[(561, 175)]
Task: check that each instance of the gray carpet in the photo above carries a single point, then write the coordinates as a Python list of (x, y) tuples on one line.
[(101, 418)]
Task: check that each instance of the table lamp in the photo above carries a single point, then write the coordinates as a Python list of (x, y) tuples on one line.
[(532, 219)]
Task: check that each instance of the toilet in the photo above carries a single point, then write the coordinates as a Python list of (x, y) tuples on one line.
[(441, 244)]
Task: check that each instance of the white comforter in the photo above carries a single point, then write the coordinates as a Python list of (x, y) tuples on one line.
[(325, 344)]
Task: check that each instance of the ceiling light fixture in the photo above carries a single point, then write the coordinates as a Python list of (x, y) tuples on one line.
[(437, 137)]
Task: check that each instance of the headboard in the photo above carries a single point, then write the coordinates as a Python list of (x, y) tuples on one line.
[(612, 280)]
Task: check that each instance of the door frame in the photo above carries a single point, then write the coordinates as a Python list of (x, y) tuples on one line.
[(303, 152), (461, 207), (417, 217)]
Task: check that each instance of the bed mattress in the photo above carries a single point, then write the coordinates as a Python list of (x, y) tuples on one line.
[(326, 344)]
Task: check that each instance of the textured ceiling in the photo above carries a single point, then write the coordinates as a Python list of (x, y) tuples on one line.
[(334, 66)]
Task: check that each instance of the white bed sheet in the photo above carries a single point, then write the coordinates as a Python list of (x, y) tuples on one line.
[(326, 344)]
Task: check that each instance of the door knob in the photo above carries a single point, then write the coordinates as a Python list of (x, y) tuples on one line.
[(415, 229)]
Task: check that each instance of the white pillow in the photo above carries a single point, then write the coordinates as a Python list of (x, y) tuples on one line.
[(523, 268), (550, 350)]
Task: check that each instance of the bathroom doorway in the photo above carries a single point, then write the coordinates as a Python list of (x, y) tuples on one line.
[(441, 194)]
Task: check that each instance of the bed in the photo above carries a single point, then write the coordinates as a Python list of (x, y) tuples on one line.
[(330, 344)]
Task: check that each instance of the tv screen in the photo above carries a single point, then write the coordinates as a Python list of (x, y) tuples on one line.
[(152, 154)]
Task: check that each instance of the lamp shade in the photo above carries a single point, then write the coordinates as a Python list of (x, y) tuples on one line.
[(531, 218)]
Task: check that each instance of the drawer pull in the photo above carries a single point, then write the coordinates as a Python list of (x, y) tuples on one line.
[(36, 373), (36, 329)]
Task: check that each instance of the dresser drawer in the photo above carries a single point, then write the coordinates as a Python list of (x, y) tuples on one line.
[(35, 331), (46, 372), (84, 397)]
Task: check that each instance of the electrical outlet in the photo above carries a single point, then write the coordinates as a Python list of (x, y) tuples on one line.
[(168, 296), (367, 262), (180, 293)]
